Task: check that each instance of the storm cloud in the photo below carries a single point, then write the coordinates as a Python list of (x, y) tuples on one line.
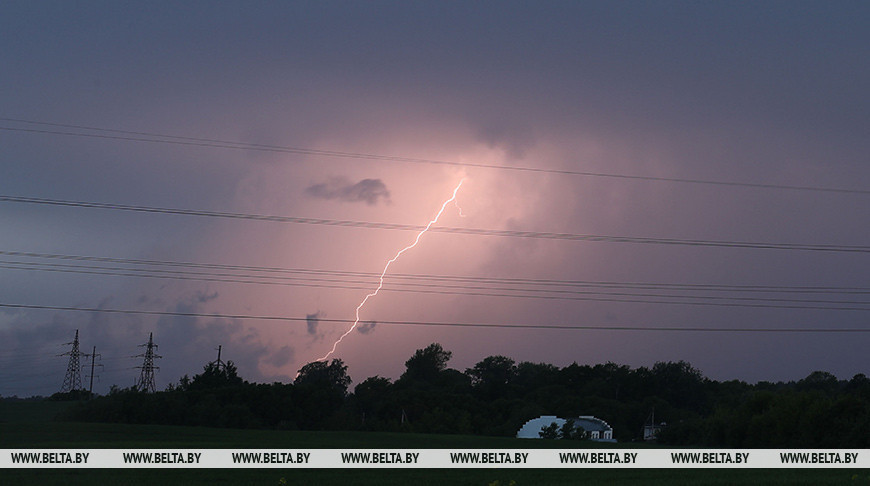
[(575, 119), (369, 191), (312, 320), (366, 327), (281, 357)]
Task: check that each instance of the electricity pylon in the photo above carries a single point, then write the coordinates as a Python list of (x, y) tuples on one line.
[(73, 379), (146, 377)]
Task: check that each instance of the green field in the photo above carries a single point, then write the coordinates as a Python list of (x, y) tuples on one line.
[(31, 425)]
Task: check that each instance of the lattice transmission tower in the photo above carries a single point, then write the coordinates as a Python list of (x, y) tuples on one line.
[(73, 379), (146, 377)]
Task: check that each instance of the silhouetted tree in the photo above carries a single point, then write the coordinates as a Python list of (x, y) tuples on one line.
[(493, 375), (819, 380), (570, 431), (549, 431), (680, 384), (376, 402), (530, 376), (319, 391), (426, 364), (214, 376), (328, 375)]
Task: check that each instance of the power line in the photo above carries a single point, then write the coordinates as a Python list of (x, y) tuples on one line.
[(395, 280), (447, 324), (432, 277), (455, 285), (443, 229), (483, 291), (151, 137)]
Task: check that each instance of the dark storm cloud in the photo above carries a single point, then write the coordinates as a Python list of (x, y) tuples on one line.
[(369, 191), (514, 138), (366, 327), (189, 304), (281, 357), (761, 92), (37, 366), (203, 297), (29, 332), (189, 343), (313, 320)]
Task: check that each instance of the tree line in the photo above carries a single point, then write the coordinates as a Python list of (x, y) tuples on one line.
[(497, 396)]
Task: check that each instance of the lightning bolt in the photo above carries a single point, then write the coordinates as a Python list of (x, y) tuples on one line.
[(387, 267)]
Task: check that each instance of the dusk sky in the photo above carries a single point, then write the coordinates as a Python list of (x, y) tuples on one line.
[(720, 148)]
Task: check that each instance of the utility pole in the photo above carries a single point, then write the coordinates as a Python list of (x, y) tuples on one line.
[(73, 379), (94, 357), (220, 364), (146, 377)]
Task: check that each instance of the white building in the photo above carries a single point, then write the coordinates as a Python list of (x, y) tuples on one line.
[(597, 429)]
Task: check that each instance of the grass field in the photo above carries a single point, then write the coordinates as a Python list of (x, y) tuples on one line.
[(30, 425)]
